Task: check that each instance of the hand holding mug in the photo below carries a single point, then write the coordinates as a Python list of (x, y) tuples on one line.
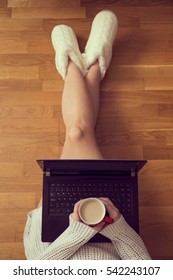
[(111, 209), (92, 211)]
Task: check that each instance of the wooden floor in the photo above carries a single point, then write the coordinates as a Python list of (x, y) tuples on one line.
[(136, 113)]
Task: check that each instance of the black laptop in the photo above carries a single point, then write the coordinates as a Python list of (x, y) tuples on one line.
[(67, 181)]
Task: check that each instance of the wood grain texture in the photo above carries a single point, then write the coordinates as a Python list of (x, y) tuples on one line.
[(43, 3), (136, 107), (127, 3), (61, 13)]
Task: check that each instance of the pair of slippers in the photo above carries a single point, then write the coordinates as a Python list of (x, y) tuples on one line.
[(98, 47)]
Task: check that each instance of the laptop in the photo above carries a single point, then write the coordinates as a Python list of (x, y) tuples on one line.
[(67, 181)]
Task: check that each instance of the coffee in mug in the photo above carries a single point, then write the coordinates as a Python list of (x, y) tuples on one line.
[(92, 211)]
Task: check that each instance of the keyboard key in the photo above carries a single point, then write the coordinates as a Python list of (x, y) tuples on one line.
[(52, 211)]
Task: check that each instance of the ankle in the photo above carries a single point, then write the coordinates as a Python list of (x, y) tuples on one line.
[(94, 70), (72, 67), (95, 65)]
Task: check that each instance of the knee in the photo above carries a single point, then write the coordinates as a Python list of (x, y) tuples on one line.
[(75, 133)]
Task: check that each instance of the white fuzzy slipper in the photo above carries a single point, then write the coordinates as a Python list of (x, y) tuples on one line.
[(66, 46), (100, 41)]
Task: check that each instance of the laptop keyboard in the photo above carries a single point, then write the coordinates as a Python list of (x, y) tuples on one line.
[(62, 197)]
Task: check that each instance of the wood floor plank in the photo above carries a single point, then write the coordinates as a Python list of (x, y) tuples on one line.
[(21, 24), (155, 138), (26, 112), (29, 97), (158, 152), (43, 3), (3, 3), (10, 35), (42, 13), (20, 59), (143, 58), (5, 13), (16, 200), (20, 85), (150, 97), (157, 221), (32, 183), (11, 251), (155, 198), (169, 138), (138, 71), (26, 125), (40, 47), (19, 72), (53, 85), (11, 169), (123, 84), (135, 152), (165, 110), (160, 167), (26, 140), (156, 83), (11, 46), (121, 108), (159, 123), (48, 71), (31, 168), (128, 3), (145, 13), (30, 152)]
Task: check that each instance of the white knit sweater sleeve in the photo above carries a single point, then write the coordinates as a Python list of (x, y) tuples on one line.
[(76, 235), (126, 241)]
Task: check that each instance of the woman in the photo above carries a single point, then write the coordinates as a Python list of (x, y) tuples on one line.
[(82, 74)]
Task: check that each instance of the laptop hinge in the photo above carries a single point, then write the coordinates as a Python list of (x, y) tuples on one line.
[(47, 173), (133, 173)]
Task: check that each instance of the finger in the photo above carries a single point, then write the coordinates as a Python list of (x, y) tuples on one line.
[(76, 206), (109, 207), (75, 214), (112, 210), (107, 201), (75, 217)]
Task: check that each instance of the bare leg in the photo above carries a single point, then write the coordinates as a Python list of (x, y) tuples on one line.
[(92, 80), (80, 104)]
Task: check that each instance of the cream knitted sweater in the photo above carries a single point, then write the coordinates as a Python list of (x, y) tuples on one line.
[(72, 243)]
